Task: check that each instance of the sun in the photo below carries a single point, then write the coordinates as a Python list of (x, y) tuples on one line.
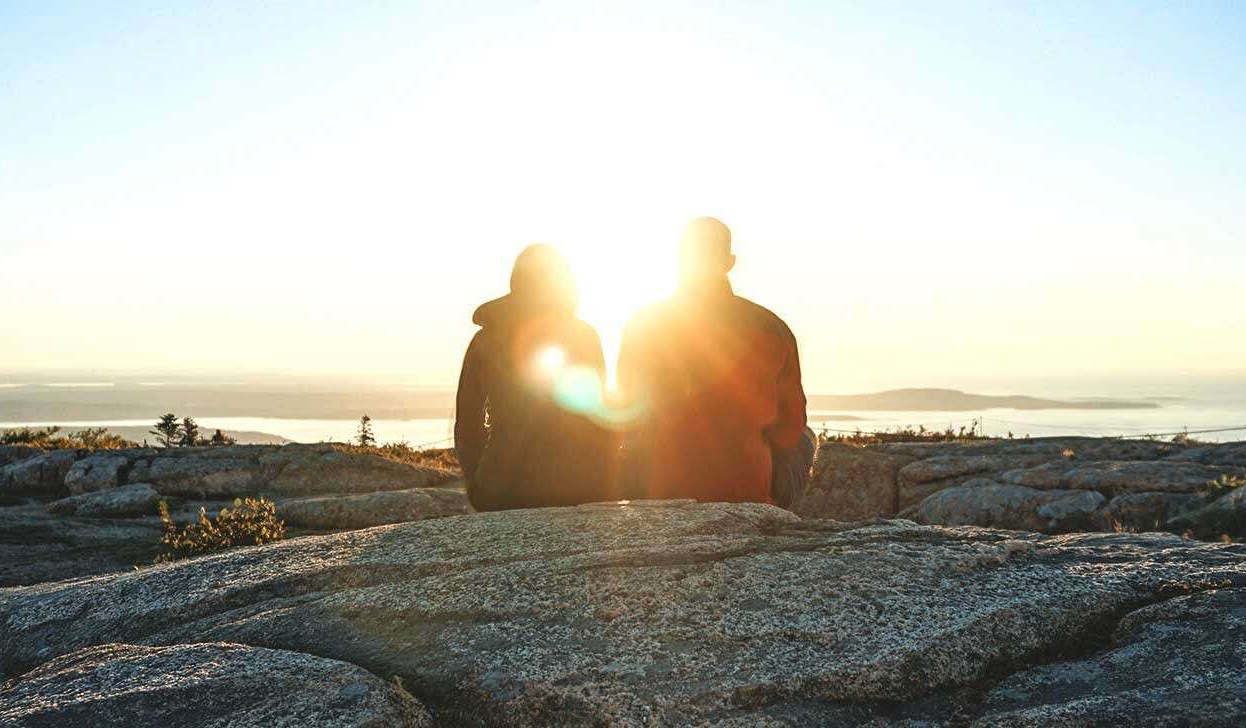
[(614, 287)]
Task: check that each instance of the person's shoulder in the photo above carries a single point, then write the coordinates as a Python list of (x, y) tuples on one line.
[(649, 315), (762, 317), (583, 330)]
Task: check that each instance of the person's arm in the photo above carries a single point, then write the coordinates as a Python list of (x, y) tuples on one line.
[(792, 418), (469, 415)]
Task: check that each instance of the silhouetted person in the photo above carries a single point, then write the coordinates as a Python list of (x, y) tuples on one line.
[(518, 444), (716, 379)]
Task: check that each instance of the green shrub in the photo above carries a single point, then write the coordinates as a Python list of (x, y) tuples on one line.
[(249, 523)]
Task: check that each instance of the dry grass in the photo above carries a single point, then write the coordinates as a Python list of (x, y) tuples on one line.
[(906, 434), (49, 438), (442, 458)]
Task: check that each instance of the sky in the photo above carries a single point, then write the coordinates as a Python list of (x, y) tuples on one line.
[(926, 192)]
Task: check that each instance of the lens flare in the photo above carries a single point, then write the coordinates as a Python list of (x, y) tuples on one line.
[(578, 389), (550, 359)]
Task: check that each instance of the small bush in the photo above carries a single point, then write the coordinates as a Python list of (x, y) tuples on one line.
[(249, 523), (1222, 486)]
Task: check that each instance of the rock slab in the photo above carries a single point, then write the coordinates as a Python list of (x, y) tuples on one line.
[(372, 509), (136, 499), (1178, 663), (131, 686), (984, 502), (658, 614), (215, 472)]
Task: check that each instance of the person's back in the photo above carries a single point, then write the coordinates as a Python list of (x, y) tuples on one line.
[(717, 378), (518, 445)]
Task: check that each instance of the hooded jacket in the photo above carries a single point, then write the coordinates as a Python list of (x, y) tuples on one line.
[(520, 446), (716, 379)]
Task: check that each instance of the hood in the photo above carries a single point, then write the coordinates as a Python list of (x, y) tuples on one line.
[(511, 308)]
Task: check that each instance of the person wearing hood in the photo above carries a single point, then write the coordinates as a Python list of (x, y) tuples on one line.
[(524, 431)]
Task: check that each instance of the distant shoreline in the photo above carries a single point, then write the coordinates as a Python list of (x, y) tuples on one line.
[(37, 403), (951, 400)]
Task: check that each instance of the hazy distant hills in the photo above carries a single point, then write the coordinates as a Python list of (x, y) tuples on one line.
[(41, 403), (951, 400), (126, 402)]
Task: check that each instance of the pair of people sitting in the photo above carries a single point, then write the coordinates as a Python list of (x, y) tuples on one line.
[(710, 404)]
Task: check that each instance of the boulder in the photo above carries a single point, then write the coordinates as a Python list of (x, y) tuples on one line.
[(851, 483), (325, 468), (1048, 447), (199, 476), (1118, 449), (42, 474), (372, 509), (136, 499), (217, 472), (1052, 475), (647, 614), (919, 479), (13, 453), (1179, 662), (1145, 511), (987, 503), (1225, 516), (1164, 476), (1232, 454), (217, 684), (97, 472), (1083, 448)]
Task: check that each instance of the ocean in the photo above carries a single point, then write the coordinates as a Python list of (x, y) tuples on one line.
[(424, 418)]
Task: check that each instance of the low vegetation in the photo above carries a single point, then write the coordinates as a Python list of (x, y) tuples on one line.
[(859, 438), (1222, 486), (50, 438), (402, 452), (251, 522)]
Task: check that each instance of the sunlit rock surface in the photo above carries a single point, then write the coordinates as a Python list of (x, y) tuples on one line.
[(372, 509), (322, 487), (1126, 484), (136, 499), (203, 684), (983, 502), (679, 613)]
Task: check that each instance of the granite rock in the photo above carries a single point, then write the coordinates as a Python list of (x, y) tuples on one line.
[(218, 684)]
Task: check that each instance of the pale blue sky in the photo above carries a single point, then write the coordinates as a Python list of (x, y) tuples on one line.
[(922, 190)]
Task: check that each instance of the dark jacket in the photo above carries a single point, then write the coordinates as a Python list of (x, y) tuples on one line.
[(518, 444), (716, 379)]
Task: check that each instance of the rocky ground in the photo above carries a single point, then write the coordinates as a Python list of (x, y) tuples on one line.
[(643, 613), (1050, 485), (68, 513), (646, 614)]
